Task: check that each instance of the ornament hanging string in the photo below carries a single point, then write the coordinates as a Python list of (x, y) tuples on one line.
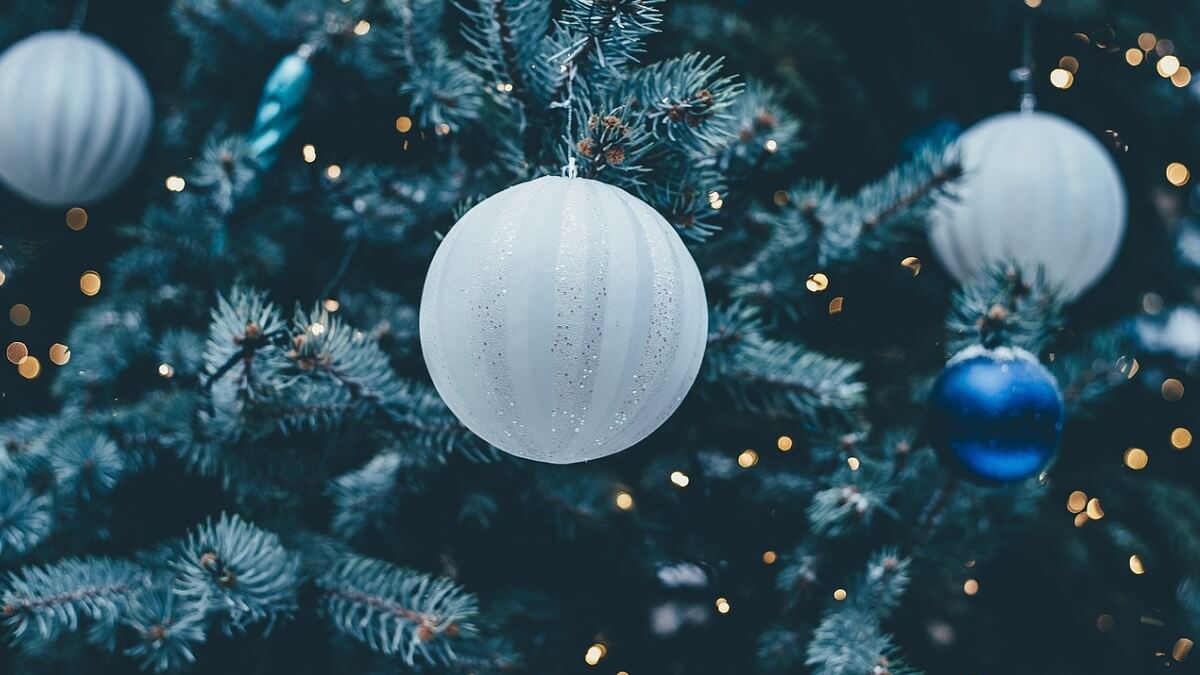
[(568, 102), (79, 15), (1024, 74)]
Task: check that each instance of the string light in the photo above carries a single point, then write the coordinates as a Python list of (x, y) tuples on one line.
[(1152, 303), (333, 172), (769, 557), (624, 500), (175, 183), (30, 367), (747, 458), (1136, 459), (60, 354), (913, 264), (16, 352), (839, 594), (89, 283), (1181, 438), (76, 218), (1134, 56), (442, 129), (1182, 77), (784, 443), (1061, 78), (680, 478), (771, 145), (1183, 647), (404, 124), (309, 153), (317, 329), (1178, 174), (1076, 501), (970, 587), (1093, 509), (331, 305), (1167, 65), (19, 314), (362, 27), (1069, 63), (1128, 367), (853, 463), (1172, 389), (723, 605), (594, 653), (1147, 41), (817, 282), (166, 370), (1135, 565)]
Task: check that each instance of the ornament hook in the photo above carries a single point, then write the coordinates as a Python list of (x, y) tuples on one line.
[(570, 170)]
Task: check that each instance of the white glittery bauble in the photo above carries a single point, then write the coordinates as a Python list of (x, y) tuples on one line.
[(1038, 190), (74, 118), (563, 320)]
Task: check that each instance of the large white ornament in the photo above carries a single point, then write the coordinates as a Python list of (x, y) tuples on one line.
[(1038, 190), (74, 118), (563, 320)]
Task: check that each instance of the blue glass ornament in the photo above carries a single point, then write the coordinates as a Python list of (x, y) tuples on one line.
[(996, 415), (279, 109)]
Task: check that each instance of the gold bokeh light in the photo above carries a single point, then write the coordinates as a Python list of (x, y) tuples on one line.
[(89, 283)]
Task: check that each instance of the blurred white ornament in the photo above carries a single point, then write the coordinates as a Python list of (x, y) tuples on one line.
[(1178, 334), (1038, 190), (75, 115), (563, 320)]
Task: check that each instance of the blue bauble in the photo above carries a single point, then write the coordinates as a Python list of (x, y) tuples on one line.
[(995, 414), (279, 109)]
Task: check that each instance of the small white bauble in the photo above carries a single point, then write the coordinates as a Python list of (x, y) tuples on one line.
[(74, 118), (1039, 190), (563, 320)]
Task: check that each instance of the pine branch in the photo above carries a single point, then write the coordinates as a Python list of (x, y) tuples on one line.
[(849, 640), (85, 465), (25, 519), (240, 572), (168, 628), (608, 32), (776, 378), (931, 185), (41, 603), (365, 496), (1004, 308), (887, 212), (397, 611)]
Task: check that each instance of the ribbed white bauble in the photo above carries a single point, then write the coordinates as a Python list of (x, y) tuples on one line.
[(563, 320), (74, 118), (1038, 190)]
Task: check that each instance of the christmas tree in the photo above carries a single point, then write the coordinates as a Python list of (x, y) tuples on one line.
[(221, 449)]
